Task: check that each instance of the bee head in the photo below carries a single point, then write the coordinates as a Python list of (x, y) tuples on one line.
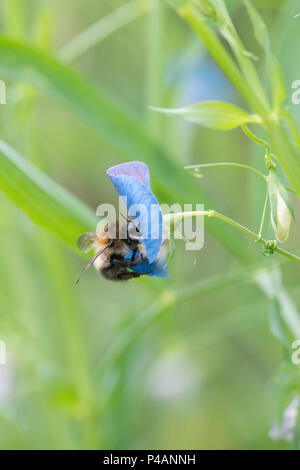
[(134, 233)]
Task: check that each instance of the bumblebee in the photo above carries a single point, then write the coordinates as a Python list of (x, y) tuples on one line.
[(111, 250)]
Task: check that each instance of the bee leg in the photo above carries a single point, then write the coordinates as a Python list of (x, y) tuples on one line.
[(121, 262), (137, 262), (133, 254), (139, 259), (128, 275), (127, 263)]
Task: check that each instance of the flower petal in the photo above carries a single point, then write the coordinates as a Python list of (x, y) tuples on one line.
[(141, 203), (154, 269), (138, 170)]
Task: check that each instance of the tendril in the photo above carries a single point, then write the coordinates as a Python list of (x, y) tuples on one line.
[(269, 155)]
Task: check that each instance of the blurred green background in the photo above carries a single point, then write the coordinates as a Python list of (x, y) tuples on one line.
[(147, 363)]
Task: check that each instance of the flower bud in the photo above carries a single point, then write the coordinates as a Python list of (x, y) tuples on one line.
[(282, 213)]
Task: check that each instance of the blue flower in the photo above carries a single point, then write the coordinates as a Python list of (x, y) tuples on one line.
[(132, 182)]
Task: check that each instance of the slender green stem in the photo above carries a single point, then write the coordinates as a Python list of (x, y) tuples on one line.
[(291, 190), (212, 213), (13, 13), (264, 214), (255, 138), (279, 140), (259, 141), (253, 235), (286, 153), (239, 165), (242, 56), (222, 57), (103, 28), (155, 92)]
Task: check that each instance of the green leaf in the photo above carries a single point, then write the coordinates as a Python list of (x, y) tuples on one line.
[(277, 81), (212, 114), (262, 37), (13, 13), (244, 57), (103, 28), (114, 123), (259, 27), (46, 202)]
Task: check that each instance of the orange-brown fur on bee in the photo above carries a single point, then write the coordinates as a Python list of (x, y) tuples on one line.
[(111, 250)]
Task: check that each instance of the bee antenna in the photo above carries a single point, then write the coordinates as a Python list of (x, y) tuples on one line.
[(92, 260), (128, 220), (125, 218)]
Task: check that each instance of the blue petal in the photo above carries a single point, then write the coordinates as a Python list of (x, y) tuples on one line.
[(138, 170), (136, 190), (155, 269)]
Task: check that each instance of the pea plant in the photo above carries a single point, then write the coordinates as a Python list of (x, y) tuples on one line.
[(275, 119), (54, 208), (211, 22)]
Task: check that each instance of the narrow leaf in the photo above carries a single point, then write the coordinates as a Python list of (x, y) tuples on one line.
[(212, 114), (46, 202), (274, 70), (259, 27), (114, 123), (277, 81), (103, 28)]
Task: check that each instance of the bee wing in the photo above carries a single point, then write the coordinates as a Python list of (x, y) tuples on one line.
[(87, 241), (93, 259)]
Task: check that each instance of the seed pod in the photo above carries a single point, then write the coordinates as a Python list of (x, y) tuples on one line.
[(282, 213)]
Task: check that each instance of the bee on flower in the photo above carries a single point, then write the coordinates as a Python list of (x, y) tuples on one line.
[(137, 247)]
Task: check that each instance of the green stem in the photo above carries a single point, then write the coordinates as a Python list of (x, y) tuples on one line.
[(222, 57), (229, 32), (253, 235), (14, 18), (264, 214), (259, 141), (283, 148), (239, 165), (155, 92), (212, 213), (103, 28), (287, 155)]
